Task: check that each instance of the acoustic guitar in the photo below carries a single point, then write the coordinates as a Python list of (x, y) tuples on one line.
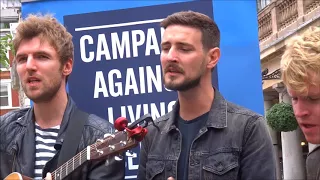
[(126, 137)]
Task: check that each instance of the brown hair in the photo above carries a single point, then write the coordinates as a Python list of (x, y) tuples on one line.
[(300, 63), (209, 29), (46, 27)]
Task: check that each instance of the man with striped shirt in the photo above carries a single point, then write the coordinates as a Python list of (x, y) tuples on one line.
[(31, 138)]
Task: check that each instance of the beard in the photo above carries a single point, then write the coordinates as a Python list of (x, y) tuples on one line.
[(188, 83), (47, 92), (184, 86)]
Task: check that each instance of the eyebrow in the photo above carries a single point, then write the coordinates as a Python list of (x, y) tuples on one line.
[(37, 52), (179, 43)]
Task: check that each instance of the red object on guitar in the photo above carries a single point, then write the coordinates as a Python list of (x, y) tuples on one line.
[(126, 138)]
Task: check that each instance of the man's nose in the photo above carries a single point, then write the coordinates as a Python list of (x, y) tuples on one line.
[(300, 109), (31, 64), (172, 55)]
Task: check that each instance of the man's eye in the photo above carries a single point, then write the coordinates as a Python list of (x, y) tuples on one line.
[(294, 98), (165, 48), (42, 57), (313, 98), (21, 60)]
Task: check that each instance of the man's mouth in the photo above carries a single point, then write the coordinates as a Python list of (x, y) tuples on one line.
[(33, 80), (173, 69), (307, 127)]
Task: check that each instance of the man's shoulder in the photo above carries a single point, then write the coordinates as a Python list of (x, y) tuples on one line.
[(9, 128), (159, 122), (99, 124), (163, 118), (244, 112), (12, 116)]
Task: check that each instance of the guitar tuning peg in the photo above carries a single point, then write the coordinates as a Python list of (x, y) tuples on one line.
[(118, 158), (106, 135)]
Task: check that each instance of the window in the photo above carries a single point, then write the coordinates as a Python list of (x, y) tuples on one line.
[(262, 4), (5, 93)]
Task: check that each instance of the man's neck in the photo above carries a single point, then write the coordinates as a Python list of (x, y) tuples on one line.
[(195, 102), (50, 114)]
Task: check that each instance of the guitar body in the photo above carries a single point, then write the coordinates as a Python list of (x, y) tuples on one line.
[(16, 176)]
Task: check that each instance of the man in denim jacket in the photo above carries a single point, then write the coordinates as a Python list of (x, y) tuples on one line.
[(204, 136)]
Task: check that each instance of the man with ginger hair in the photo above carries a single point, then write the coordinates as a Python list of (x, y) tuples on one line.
[(300, 67), (31, 138)]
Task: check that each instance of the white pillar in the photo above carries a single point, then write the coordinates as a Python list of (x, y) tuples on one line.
[(293, 162), (273, 134)]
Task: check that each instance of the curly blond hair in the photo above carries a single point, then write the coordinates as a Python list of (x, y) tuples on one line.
[(47, 28), (300, 63)]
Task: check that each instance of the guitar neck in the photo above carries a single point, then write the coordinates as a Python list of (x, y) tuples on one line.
[(68, 167)]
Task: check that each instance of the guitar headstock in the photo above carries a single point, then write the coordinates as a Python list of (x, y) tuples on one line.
[(126, 138), (112, 145)]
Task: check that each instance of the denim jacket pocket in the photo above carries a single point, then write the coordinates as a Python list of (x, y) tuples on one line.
[(223, 165), (155, 169)]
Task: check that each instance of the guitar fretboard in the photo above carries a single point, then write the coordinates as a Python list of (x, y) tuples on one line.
[(69, 166)]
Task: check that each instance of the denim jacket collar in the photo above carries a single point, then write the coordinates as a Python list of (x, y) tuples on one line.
[(217, 115), (29, 118)]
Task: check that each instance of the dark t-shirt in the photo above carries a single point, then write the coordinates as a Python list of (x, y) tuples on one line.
[(189, 130)]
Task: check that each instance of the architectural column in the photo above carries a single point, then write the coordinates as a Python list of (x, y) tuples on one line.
[(293, 162), (300, 9), (267, 105)]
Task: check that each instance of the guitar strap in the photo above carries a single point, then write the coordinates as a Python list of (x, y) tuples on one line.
[(73, 135)]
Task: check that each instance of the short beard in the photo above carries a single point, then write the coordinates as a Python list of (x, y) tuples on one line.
[(187, 85), (47, 95)]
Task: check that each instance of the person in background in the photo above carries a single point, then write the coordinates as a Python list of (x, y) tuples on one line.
[(300, 69)]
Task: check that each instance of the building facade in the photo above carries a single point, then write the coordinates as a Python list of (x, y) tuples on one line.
[(279, 21), (9, 98)]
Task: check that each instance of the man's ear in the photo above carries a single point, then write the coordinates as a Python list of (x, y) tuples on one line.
[(213, 57), (67, 67)]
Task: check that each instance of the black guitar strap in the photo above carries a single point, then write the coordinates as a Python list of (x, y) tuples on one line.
[(73, 136)]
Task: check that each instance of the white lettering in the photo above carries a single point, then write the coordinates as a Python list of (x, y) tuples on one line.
[(142, 81), (125, 45), (151, 78), (136, 42), (152, 42), (131, 83), (117, 84), (97, 88), (135, 112), (83, 49), (102, 48)]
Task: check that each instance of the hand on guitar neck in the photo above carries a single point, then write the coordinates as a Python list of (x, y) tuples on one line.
[(124, 139), (48, 176)]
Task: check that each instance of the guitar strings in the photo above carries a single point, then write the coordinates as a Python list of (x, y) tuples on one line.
[(70, 164)]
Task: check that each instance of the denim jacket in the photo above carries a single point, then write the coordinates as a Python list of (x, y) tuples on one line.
[(233, 144)]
